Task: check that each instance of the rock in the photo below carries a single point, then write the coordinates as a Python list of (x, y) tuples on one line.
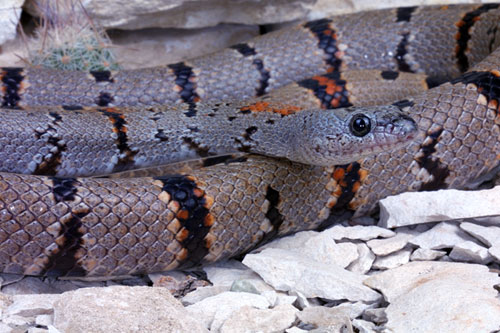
[(392, 260), (31, 305), (318, 246), (383, 247), (224, 273), (141, 14), (377, 315), (177, 283), (122, 309), (470, 252), (364, 233), (214, 311), (495, 252), (443, 235), (364, 326), (421, 207), (44, 320), (363, 264), (202, 293), (289, 271), (426, 254), (487, 235), (439, 297), (156, 47), (34, 285), (4, 328), (332, 318), (248, 319), (324, 318), (10, 12)]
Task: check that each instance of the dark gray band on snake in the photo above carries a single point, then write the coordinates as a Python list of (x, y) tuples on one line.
[(92, 226)]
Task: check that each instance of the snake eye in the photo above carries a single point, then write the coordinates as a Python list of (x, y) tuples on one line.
[(360, 125)]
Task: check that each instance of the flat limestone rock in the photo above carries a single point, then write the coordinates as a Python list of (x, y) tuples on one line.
[(366, 258), (319, 246), (122, 309), (214, 311), (487, 235), (393, 260), (426, 255), (421, 207), (248, 319), (439, 297), (289, 271), (495, 252), (10, 12), (383, 247), (470, 252), (360, 232), (443, 235)]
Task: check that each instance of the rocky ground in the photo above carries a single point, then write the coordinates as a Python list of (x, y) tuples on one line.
[(430, 263)]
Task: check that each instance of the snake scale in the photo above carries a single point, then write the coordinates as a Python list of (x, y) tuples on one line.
[(112, 226)]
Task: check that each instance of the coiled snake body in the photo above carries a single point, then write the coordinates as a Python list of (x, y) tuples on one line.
[(100, 226)]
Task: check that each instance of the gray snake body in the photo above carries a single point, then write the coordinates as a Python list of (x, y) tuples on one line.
[(92, 226)]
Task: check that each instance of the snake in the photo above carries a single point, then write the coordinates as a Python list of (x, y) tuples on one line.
[(54, 221)]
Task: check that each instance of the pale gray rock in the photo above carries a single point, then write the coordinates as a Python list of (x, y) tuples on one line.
[(443, 235), (383, 247), (470, 252), (249, 319), (439, 297), (325, 318), (224, 273), (4, 328), (289, 271), (34, 285), (44, 320), (295, 330), (122, 309), (364, 326), (487, 235), (495, 252), (366, 258), (426, 255), (377, 315), (393, 260), (364, 233), (318, 246), (214, 311), (156, 47), (421, 207), (202, 293), (31, 305), (10, 12)]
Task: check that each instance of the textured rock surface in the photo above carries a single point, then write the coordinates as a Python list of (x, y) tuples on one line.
[(443, 235), (439, 297), (248, 319), (487, 235), (318, 246), (10, 12), (122, 309), (213, 311), (156, 47), (392, 260), (339, 232), (420, 207), (470, 252), (289, 271), (194, 14)]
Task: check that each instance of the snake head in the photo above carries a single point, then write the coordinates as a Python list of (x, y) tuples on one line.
[(340, 136)]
